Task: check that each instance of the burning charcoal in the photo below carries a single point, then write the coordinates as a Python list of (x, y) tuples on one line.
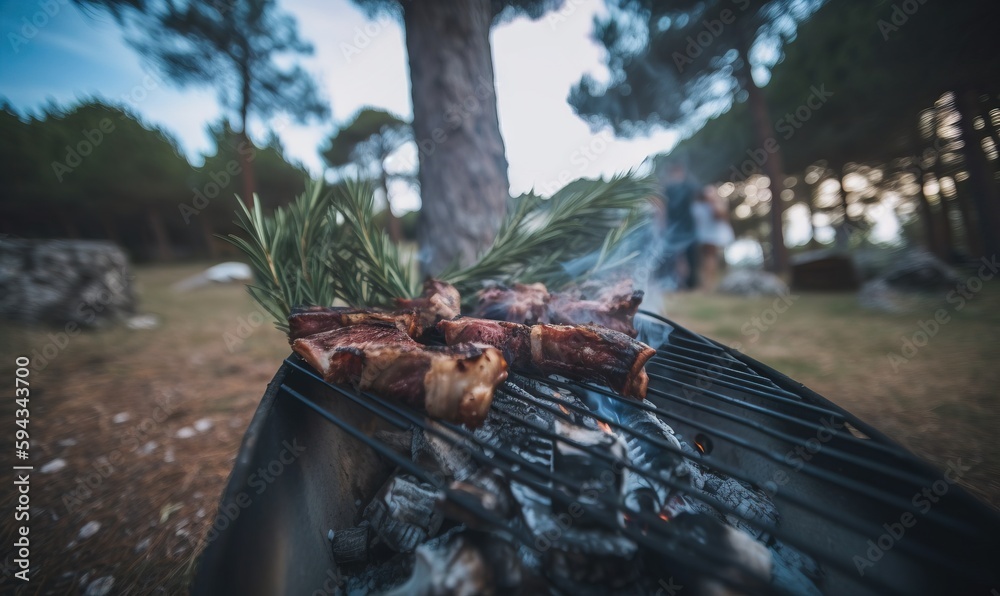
[(351, 545), (743, 560), (399, 440), (403, 513), (448, 565), (447, 456), (488, 488), (589, 475)]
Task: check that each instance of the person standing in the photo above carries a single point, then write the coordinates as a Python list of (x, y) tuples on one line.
[(714, 232), (680, 260)]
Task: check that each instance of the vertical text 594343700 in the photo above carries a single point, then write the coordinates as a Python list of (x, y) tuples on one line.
[(22, 471)]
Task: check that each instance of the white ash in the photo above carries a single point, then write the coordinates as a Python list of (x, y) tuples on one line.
[(53, 466)]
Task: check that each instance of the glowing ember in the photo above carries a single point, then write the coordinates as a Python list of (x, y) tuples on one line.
[(665, 517), (605, 427), (564, 410)]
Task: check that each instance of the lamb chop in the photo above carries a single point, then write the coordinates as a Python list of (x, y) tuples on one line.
[(594, 303), (440, 300), (612, 306), (455, 383), (581, 352)]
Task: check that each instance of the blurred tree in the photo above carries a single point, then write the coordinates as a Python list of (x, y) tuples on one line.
[(676, 63), (463, 167), (241, 47), (367, 141), (278, 181)]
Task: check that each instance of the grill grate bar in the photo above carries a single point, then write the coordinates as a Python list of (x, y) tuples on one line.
[(812, 470), (652, 522), (698, 562), (851, 523), (718, 373), (830, 451)]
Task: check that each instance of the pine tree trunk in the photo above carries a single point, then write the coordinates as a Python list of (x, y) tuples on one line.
[(965, 218), (155, 219), (773, 167), (395, 229), (206, 232), (463, 168), (245, 148), (980, 175)]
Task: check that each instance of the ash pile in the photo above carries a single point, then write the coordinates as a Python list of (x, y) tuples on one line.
[(546, 497)]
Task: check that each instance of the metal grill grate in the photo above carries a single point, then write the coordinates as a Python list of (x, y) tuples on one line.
[(834, 479)]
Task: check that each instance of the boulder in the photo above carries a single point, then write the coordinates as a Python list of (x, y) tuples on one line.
[(752, 282), (914, 282), (62, 281)]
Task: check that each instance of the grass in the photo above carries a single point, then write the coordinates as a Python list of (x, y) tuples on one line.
[(155, 494)]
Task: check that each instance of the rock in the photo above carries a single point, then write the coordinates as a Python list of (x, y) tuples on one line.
[(920, 271), (221, 273), (89, 529), (64, 281), (148, 448), (140, 322), (752, 282), (169, 456), (143, 544), (185, 433), (913, 282), (203, 425), (121, 417), (100, 586), (53, 466), (66, 442)]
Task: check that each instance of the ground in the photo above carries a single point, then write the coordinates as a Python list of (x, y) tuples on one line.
[(148, 422)]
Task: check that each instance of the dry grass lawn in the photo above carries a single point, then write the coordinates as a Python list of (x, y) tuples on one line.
[(120, 408)]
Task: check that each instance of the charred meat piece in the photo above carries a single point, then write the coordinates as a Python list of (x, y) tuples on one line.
[(612, 306), (440, 301), (522, 303), (581, 352), (310, 320), (513, 339), (594, 303), (455, 383)]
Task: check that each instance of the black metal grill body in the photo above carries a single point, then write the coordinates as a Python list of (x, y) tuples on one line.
[(837, 482)]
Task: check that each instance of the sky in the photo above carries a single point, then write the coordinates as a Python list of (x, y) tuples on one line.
[(70, 55)]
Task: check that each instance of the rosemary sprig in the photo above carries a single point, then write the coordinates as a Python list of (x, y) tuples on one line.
[(539, 236), (325, 247)]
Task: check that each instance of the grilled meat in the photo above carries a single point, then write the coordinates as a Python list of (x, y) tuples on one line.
[(455, 383), (581, 352), (522, 303), (439, 301), (310, 320), (612, 306)]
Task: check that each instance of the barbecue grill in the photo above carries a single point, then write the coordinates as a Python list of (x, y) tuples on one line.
[(870, 515)]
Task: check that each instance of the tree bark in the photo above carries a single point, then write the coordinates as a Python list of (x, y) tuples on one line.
[(155, 218), (395, 229), (463, 167), (961, 202), (245, 148), (773, 167), (980, 174)]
